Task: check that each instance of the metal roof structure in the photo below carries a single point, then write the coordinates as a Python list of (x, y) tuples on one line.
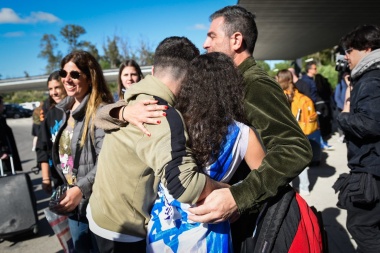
[(291, 29)]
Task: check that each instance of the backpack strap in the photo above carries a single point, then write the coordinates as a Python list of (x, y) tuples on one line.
[(273, 220)]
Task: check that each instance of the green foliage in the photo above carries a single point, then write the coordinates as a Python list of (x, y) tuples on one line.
[(111, 52), (48, 45), (113, 87), (283, 65), (91, 49), (146, 54), (325, 64), (324, 57), (330, 73), (279, 66), (104, 63), (70, 34), (24, 96), (116, 49)]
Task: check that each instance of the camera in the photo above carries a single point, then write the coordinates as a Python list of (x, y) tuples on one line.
[(341, 64)]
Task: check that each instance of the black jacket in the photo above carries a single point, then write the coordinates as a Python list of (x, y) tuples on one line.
[(362, 124), (48, 131)]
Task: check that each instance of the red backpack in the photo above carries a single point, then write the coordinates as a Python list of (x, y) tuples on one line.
[(287, 224)]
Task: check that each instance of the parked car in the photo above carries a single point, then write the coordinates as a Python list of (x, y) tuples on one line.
[(16, 111)]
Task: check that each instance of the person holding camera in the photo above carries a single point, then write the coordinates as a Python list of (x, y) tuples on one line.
[(359, 120)]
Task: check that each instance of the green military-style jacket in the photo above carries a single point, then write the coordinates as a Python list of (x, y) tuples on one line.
[(288, 151)]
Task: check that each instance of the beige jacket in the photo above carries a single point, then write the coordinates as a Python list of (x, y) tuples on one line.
[(131, 165)]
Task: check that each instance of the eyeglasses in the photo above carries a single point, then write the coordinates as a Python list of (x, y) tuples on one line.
[(73, 74), (348, 51)]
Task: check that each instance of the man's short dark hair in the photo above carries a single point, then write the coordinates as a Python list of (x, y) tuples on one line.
[(309, 65), (238, 19), (175, 53), (363, 37)]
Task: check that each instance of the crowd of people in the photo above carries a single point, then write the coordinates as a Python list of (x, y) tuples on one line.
[(188, 158)]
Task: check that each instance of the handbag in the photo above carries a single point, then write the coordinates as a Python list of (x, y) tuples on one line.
[(60, 192), (60, 226)]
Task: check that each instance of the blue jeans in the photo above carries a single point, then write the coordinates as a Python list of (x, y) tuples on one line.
[(83, 239), (304, 180)]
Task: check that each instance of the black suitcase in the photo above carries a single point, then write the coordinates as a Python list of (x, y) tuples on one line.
[(18, 206)]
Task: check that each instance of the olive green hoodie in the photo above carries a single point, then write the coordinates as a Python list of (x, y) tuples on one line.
[(131, 165)]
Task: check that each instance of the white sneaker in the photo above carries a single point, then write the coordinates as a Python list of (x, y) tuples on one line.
[(328, 147)]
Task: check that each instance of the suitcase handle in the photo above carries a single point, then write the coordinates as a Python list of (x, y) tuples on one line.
[(12, 166), (35, 170)]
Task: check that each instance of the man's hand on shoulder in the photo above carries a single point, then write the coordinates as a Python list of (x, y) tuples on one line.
[(217, 207)]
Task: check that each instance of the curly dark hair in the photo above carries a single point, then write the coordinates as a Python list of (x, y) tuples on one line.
[(211, 97)]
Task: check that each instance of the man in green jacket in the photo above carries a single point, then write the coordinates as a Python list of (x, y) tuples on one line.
[(233, 31)]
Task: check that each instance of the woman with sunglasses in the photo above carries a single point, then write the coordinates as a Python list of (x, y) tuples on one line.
[(51, 118), (129, 73), (77, 143)]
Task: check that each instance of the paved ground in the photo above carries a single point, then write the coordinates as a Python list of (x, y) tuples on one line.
[(322, 197)]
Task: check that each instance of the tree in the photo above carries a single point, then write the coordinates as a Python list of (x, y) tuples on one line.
[(279, 66), (125, 49), (48, 45), (146, 55), (71, 34), (91, 49), (111, 52)]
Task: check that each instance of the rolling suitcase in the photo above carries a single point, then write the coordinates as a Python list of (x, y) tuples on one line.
[(17, 204)]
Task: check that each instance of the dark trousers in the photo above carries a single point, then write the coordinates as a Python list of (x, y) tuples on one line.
[(363, 223), (108, 246)]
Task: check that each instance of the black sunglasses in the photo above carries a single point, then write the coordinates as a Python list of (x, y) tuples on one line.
[(73, 74)]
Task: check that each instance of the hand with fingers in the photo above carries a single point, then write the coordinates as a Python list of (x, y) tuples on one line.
[(143, 112), (71, 200), (218, 206)]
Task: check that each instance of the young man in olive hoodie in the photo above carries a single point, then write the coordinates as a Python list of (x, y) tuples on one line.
[(132, 164)]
